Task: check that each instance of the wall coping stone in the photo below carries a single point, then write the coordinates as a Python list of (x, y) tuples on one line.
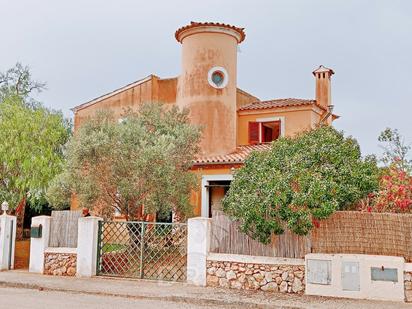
[(254, 259), (63, 250)]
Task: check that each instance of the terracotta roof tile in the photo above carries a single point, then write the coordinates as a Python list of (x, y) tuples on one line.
[(290, 102), (194, 24), (238, 156)]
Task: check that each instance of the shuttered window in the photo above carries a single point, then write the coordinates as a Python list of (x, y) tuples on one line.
[(253, 132)]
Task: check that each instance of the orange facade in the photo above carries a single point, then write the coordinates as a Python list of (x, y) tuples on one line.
[(234, 122)]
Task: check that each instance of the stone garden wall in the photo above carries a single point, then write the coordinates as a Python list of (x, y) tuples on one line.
[(60, 264), (256, 276), (408, 285)]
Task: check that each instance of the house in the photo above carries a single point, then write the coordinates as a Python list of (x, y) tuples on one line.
[(235, 122)]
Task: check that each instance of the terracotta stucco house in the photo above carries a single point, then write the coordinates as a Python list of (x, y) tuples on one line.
[(235, 122)]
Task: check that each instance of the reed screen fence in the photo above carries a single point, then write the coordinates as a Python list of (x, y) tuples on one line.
[(343, 232)]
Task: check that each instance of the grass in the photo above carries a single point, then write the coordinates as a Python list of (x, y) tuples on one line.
[(112, 247)]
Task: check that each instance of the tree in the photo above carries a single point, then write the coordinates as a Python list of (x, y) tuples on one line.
[(395, 185), (17, 82), (144, 159), (396, 152), (298, 181), (31, 141)]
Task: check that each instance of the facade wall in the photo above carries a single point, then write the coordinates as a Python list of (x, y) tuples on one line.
[(165, 90), (214, 109), (152, 89), (296, 120), (244, 98)]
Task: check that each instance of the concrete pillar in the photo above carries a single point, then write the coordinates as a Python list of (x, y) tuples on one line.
[(7, 241), (87, 246), (198, 243), (39, 245)]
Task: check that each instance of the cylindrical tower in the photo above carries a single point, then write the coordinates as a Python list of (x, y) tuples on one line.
[(207, 84)]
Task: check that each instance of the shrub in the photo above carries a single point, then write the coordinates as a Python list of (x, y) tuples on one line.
[(298, 181)]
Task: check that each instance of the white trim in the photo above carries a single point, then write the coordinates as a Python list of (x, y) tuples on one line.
[(408, 267), (225, 77), (63, 250), (268, 119), (237, 258), (204, 208)]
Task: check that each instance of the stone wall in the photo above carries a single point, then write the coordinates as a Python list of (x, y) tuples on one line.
[(60, 264), (408, 285), (251, 276)]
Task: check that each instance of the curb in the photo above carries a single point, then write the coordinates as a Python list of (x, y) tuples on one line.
[(176, 299)]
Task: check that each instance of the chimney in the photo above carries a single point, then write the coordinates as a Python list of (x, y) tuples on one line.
[(322, 76)]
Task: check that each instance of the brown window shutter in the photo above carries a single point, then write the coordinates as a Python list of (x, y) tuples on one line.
[(253, 132)]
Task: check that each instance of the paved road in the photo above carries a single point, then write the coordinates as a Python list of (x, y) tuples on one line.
[(35, 299), (33, 291)]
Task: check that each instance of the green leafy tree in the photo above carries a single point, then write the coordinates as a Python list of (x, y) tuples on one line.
[(31, 141), (121, 165), (298, 181)]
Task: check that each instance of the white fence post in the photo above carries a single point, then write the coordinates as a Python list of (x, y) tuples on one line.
[(7, 241), (198, 242), (38, 245), (87, 246)]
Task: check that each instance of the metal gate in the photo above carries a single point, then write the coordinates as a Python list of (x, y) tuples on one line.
[(145, 250)]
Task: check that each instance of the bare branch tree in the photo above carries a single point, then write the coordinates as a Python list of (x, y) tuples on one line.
[(17, 81)]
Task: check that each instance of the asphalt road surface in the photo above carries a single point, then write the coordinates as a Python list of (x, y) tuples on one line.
[(35, 299)]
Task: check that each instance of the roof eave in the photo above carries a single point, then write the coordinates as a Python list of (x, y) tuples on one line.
[(112, 93)]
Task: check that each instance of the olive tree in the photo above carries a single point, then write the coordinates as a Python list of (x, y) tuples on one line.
[(299, 180), (141, 159)]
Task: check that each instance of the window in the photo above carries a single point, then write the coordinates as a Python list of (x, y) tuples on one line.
[(254, 133), (218, 77), (264, 132)]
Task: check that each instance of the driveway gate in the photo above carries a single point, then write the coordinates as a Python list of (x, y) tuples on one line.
[(145, 250)]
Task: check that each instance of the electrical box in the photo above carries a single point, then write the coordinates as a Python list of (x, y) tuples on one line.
[(319, 271), (35, 231), (350, 276), (360, 276), (384, 274)]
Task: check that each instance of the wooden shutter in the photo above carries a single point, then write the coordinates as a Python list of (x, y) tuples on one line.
[(253, 132)]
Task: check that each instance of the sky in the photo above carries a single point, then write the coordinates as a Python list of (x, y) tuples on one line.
[(86, 48)]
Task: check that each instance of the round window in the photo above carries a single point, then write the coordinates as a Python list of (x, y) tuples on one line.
[(218, 77)]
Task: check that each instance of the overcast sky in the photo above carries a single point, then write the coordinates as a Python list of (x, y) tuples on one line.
[(85, 48)]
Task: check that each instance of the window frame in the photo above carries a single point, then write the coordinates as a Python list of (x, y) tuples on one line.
[(261, 121)]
